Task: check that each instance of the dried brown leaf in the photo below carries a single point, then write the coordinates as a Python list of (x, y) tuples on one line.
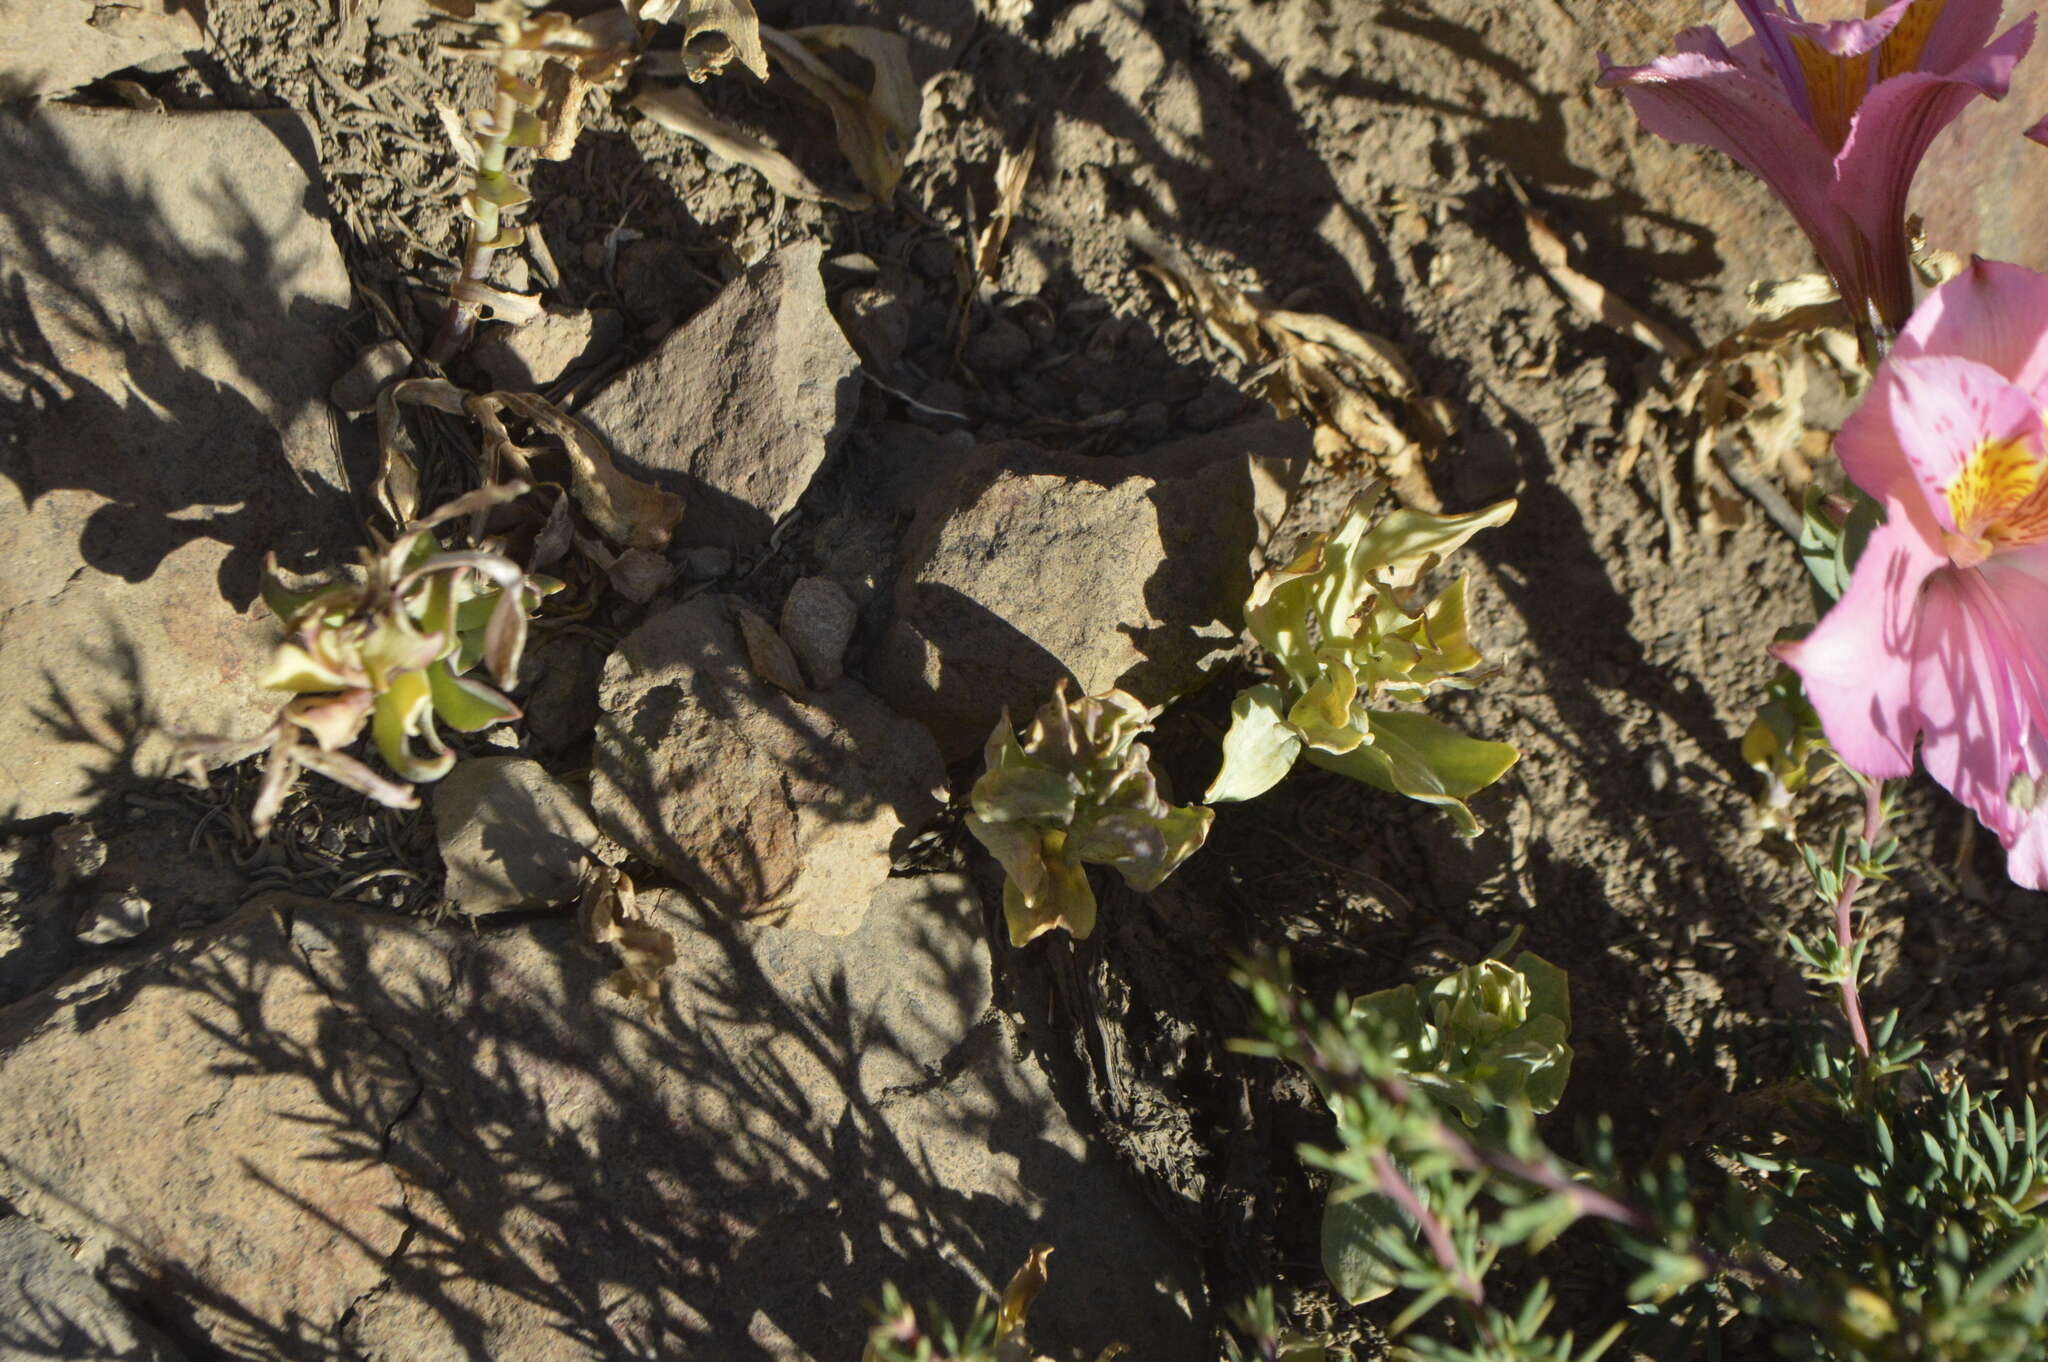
[(681, 111), (639, 574), (875, 127), (605, 913), (1589, 296), (1013, 173), (630, 512), (397, 488), (732, 20), (770, 655)]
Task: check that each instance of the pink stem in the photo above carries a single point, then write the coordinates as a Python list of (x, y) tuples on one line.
[(1397, 1189), (1845, 923)]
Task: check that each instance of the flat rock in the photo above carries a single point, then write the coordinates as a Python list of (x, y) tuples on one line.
[(536, 354), (512, 836), (48, 47), (163, 425), (737, 409), (1028, 566), (770, 807), (818, 620), (405, 1144), (50, 1307)]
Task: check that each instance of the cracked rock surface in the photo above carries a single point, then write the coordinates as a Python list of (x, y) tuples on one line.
[(395, 1142)]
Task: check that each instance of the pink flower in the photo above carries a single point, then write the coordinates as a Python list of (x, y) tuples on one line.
[(1835, 117), (1942, 637)]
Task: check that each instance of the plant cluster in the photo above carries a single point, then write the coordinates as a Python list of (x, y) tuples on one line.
[(1897, 1216), (1351, 636), (393, 649)]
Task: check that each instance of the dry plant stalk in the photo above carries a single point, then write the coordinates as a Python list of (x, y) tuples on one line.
[(546, 62)]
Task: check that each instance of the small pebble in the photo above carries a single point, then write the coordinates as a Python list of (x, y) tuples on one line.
[(113, 918)]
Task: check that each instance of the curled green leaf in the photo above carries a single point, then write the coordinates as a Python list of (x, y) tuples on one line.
[(1077, 790)]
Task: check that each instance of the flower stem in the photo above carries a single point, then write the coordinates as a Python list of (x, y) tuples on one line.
[(1402, 1193), (1845, 920)]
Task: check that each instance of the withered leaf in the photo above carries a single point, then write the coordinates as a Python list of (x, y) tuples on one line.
[(605, 913), (681, 111), (770, 655), (1013, 173), (630, 512), (1592, 298), (732, 20), (875, 127)]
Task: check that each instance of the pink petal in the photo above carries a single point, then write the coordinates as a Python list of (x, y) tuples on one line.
[(1764, 16), (1968, 690), (2039, 132), (1943, 410), (1889, 137), (1858, 663), (1994, 313), (1960, 33), (1703, 100), (2018, 580), (2026, 849), (2024, 832), (1843, 37)]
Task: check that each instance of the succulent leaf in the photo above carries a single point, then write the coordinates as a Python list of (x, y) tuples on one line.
[(1078, 789), (1339, 622), (1417, 756), (1259, 749), (464, 704)]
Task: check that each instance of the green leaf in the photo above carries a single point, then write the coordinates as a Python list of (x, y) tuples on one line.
[(467, 705), (294, 669), (403, 710), (1258, 750), (1830, 550), (1022, 793), (1550, 988), (1352, 1230), (1171, 839), (1416, 756), (1065, 900), (1322, 716)]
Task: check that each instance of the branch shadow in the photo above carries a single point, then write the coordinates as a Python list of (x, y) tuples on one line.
[(510, 1154)]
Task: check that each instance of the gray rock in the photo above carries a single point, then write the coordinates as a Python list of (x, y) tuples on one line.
[(999, 347), (114, 917), (48, 47), (512, 836), (402, 1143), (771, 808), (50, 1307), (737, 409), (818, 620), (356, 391), (705, 564), (169, 308), (530, 357), (1030, 566)]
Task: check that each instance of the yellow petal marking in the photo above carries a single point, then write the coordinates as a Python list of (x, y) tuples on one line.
[(1902, 47), (1999, 497), (1835, 86)]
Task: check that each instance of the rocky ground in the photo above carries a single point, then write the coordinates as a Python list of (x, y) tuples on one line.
[(359, 1089)]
